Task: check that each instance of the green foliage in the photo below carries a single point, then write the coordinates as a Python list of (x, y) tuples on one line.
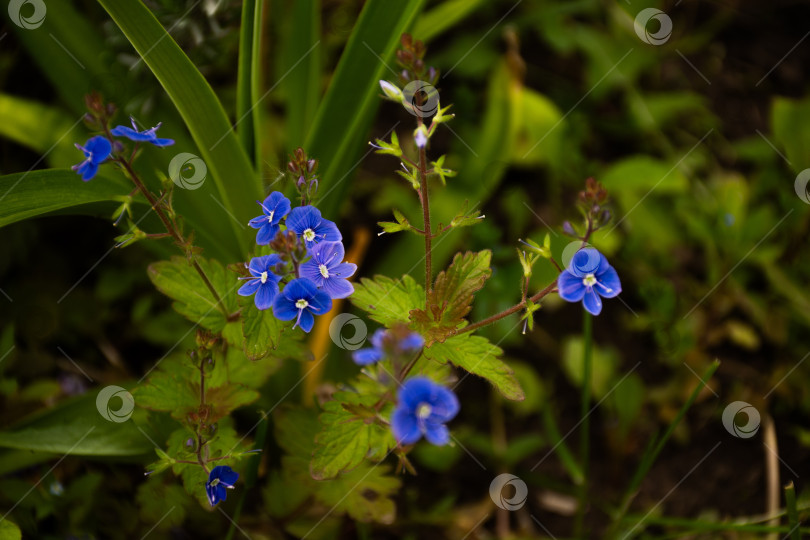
[(364, 493), (388, 301), (790, 119), (450, 298), (476, 355), (9, 530)]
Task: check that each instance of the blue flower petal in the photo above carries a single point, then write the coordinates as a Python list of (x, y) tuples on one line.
[(592, 302), (319, 302), (266, 234), (163, 142), (266, 294), (437, 434), (258, 222), (249, 288), (405, 427), (283, 308), (211, 492), (571, 288), (99, 147), (327, 231), (299, 288), (222, 492), (412, 342), (344, 270), (365, 357), (88, 170), (306, 321), (311, 271), (414, 391), (129, 133), (444, 404), (226, 475), (585, 261), (608, 284), (338, 287), (302, 218), (377, 338)]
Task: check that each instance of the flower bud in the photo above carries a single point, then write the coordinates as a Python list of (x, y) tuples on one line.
[(391, 91)]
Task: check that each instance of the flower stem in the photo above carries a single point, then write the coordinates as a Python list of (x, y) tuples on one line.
[(172, 230), (424, 199), (585, 403), (505, 313)]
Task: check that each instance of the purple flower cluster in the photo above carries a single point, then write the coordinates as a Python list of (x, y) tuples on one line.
[(316, 279), (97, 149)]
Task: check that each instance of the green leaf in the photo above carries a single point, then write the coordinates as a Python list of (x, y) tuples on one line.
[(45, 129), (236, 181), (476, 355), (178, 280), (346, 439), (261, 331), (161, 503), (301, 59), (443, 17), (77, 427), (34, 193), (352, 97), (248, 41), (450, 299), (388, 301), (635, 176), (9, 530), (790, 122)]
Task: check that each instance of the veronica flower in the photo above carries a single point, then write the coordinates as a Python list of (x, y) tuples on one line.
[(327, 270), (262, 281), (423, 408), (301, 300), (96, 150), (588, 277), (306, 221), (221, 477), (412, 342), (275, 207), (147, 135)]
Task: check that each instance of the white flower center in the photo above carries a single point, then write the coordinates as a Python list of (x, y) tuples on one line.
[(301, 303), (264, 277), (423, 410), (214, 482), (324, 270), (309, 235), (270, 216), (589, 280)]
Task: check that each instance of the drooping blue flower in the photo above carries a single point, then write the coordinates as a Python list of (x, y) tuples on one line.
[(301, 300), (220, 478), (306, 221), (275, 207), (96, 150), (422, 409), (147, 135), (262, 281), (412, 342), (588, 277), (327, 270)]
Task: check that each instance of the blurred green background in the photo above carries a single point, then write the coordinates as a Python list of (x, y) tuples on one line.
[(698, 139)]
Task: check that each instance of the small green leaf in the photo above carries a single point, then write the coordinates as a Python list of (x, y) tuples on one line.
[(386, 300), (9, 530), (163, 504), (261, 331), (178, 280), (476, 355)]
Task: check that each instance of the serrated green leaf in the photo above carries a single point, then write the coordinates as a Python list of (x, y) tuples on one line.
[(476, 355), (346, 439), (450, 299), (161, 503), (261, 331), (388, 301), (178, 280)]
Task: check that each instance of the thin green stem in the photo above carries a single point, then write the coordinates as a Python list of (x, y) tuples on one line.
[(584, 409), (424, 199), (505, 313)]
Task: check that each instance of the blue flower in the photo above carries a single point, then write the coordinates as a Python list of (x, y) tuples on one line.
[(301, 300), (262, 281), (221, 477), (96, 150), (275, 207), (423, 409), (306, 221), (588, 277), (327, 270), (412, 342), (147, 135)]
